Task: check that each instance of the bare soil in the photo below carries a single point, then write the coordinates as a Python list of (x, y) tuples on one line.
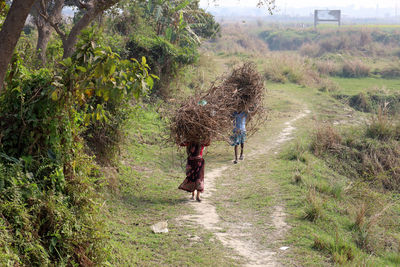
[(239, 236)]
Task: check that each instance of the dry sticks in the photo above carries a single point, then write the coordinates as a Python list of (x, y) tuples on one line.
[(208, 117)]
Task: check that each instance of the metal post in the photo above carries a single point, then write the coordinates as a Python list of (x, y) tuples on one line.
[(315, 18)]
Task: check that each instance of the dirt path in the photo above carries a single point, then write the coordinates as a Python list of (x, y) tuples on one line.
[(233, 235)]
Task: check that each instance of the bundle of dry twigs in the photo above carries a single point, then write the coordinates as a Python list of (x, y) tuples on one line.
[(208, 117)]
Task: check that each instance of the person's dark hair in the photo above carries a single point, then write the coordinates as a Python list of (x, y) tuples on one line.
[(193, 149)]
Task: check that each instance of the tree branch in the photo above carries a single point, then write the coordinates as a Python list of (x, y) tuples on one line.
[(45, 15), (55, 26), (81, 5)]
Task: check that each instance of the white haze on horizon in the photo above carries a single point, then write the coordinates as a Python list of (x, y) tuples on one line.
[(306, 3), (378, 9)]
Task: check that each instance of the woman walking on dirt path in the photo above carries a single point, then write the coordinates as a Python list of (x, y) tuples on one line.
[(194, 169), (239, 134)]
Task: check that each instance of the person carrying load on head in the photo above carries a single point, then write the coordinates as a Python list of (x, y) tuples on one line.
[(194, 169), (239, 133)]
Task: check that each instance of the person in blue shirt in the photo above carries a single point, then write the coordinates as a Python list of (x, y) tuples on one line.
[(239, 133)]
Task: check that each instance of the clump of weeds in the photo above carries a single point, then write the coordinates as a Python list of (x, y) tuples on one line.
[(314, 207), (339, 249)]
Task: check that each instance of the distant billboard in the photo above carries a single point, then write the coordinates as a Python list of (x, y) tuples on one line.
[(327, 15)]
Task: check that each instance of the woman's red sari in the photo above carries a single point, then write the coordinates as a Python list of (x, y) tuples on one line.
[(194, 168)]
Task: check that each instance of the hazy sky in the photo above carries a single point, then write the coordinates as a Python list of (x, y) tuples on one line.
[(308, 3)]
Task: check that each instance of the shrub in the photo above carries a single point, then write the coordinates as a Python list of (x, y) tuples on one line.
[(328, 67), (310, 50), (295, 69), (355, 69), (314, 208), (340, 250), (361, 102), (164, 58), (288, 39), (390, 72), (327, 85), (237, 40), (382, 127), (366, 229), (373, 100), (296, 152), (47, 182), (325, 139), (372, 153)]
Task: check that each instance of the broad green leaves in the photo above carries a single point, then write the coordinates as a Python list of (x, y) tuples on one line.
[(96, 75)]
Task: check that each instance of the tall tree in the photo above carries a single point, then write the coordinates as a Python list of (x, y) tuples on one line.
[(91, 9), (20, 9), (53, 11), (10, 33)]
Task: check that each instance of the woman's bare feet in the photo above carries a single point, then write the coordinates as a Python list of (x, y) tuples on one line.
[(198, 197), (192, 198)]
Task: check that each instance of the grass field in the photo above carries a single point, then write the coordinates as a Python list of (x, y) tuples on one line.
[(333, 217), (352, 86)]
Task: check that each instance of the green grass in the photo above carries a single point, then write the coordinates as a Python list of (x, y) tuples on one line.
[(338, 196), (145, 189), (145, 192), (352, 86)]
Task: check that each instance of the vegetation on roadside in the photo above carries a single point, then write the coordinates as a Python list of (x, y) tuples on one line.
[(84, 169), (62, 124)]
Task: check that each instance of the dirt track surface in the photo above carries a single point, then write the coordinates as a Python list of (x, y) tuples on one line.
[(236, 235)]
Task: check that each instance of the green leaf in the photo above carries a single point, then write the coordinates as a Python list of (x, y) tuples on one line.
[(54, 95), (168, 34), (150, 82), (80, 68), (112, 68), (181, 6)]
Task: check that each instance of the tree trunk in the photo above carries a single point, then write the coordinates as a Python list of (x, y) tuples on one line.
[(44, 17), (44, 34), (11, 32), (69, 44), (93, 8)]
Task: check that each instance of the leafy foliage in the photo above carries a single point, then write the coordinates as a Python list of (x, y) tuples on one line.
[(47, 181), (167, 33), (56, 122)]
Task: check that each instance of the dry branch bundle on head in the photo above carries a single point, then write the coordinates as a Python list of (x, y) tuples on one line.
[(208, 117), (246, 86), (199, 123)]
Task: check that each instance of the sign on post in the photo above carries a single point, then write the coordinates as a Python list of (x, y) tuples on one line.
[(326, 16)]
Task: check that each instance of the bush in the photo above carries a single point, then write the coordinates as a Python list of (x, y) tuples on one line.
[(390, 72), (53, 225), (314, 208), (382, 127), (361, 102), (355, 69), (340, 250), (327, 85), (47, 182), (310, 50), (371, 154), (328, 67), (283, 68), (325, 139), (289, 39), (164, 58), (372, 101), (237, 40)]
